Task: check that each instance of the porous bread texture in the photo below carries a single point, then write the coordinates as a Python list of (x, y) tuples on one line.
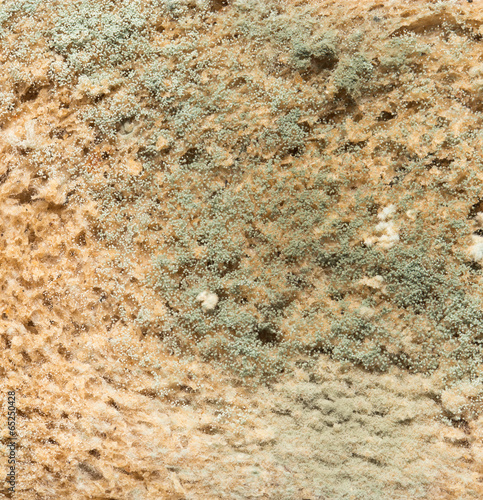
[(313, 165)]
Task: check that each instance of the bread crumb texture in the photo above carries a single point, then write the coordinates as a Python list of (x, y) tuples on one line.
[(241, 248)]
